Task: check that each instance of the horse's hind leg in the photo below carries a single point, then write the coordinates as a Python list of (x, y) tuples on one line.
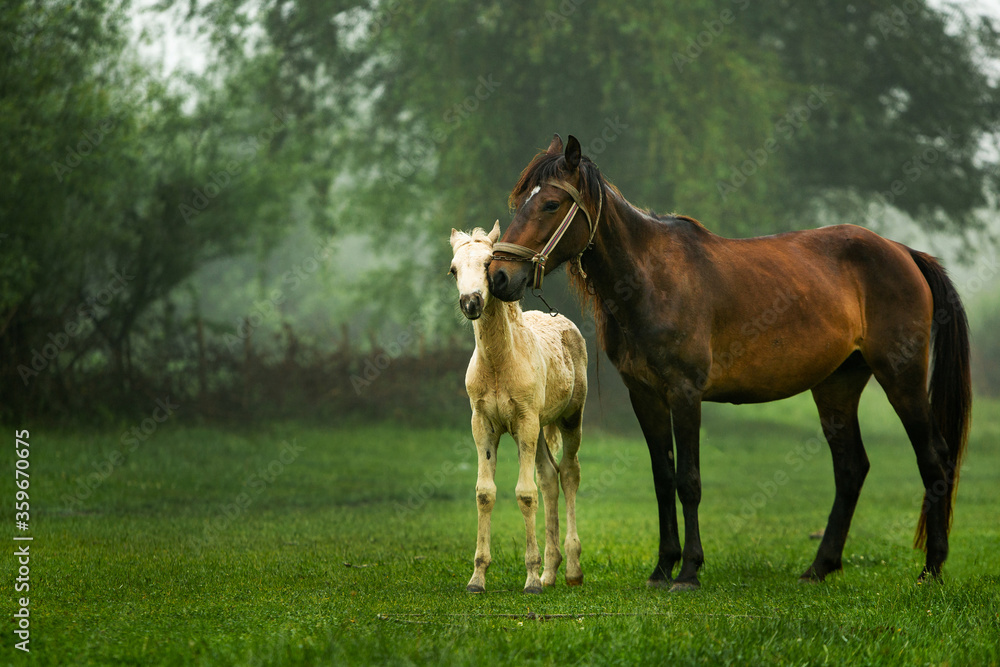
[(837, 399), (904, 383), (548, 477), (569, 474)]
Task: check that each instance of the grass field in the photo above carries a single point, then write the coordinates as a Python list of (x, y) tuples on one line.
[(353, 545)]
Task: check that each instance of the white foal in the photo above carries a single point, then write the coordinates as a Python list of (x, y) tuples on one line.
[(529, 370)]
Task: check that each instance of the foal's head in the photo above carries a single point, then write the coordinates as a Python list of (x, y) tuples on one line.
[(473, 253)]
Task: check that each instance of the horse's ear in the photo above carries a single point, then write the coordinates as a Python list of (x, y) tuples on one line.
[(573, 153), (556, 146), (495, 232), (454, 236)]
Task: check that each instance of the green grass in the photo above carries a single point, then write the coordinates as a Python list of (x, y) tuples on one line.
[(357, 548)]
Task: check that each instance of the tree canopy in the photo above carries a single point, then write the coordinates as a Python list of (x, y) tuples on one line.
[(396, 121)]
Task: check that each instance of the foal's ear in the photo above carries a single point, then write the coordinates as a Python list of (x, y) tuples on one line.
[(455, 235), (556, 146), (495, 232), (573, 153)]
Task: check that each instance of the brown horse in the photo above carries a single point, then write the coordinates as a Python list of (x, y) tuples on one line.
[(687, 316)]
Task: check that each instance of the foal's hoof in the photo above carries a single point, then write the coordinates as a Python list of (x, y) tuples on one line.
[(475, 588), (574, 582), (684, 586), (658, 583), (534, 590)]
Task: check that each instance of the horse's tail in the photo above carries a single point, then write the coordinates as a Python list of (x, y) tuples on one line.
[(553, 443), (950, 385)]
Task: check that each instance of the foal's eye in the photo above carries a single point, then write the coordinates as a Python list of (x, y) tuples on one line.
[(452, 272), (550, 206)]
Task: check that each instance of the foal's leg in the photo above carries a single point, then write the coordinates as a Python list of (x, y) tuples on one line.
[(569, 473), (654, 419), (686, 413), (527, 497), (487, 437), (548, 477), (837, 399)]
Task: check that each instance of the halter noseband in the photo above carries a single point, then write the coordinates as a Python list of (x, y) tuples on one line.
[(524, 254)]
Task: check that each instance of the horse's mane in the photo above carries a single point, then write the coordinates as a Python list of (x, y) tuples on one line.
[(552, 166)]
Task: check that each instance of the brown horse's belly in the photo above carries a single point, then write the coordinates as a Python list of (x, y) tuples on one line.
[(777, 373)]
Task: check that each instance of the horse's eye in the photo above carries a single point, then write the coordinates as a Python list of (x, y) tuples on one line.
[(550, 206), (452, 272)]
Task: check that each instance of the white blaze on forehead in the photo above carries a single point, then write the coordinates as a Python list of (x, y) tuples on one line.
[(533, 193)]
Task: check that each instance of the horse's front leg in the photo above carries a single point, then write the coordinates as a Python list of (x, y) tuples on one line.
[(685, 409), (527, 497), (654, 419), (487, 436)]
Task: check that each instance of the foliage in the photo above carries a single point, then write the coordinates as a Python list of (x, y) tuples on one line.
[(352, 545), (120, 188), (393, 122)]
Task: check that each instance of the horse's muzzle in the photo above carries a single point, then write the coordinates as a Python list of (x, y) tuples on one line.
[(472, 305), (508, 285)]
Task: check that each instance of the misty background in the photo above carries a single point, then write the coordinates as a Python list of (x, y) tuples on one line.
[(245, 206)]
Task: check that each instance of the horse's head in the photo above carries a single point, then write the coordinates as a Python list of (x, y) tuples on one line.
[(472, 255), (557, 205)]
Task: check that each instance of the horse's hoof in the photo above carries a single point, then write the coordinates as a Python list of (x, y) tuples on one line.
[(475, 588), (684, 586), (658, 583), (534, 590), (929, 575), (574, 582), (812, 576)]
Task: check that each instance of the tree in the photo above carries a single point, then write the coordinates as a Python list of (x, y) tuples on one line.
[(116, 193)]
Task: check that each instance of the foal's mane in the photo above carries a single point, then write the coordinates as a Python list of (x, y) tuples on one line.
[(552, 166)]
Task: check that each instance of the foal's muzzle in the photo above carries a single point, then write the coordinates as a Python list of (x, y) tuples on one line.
[(472, 305)]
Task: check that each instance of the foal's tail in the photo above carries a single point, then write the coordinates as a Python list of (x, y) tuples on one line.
[(553, 443), (950, 385)]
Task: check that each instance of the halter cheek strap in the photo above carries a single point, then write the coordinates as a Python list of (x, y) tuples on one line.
[(524, 254)]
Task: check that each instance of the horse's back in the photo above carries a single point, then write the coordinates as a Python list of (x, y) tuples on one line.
[(790, 308)]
